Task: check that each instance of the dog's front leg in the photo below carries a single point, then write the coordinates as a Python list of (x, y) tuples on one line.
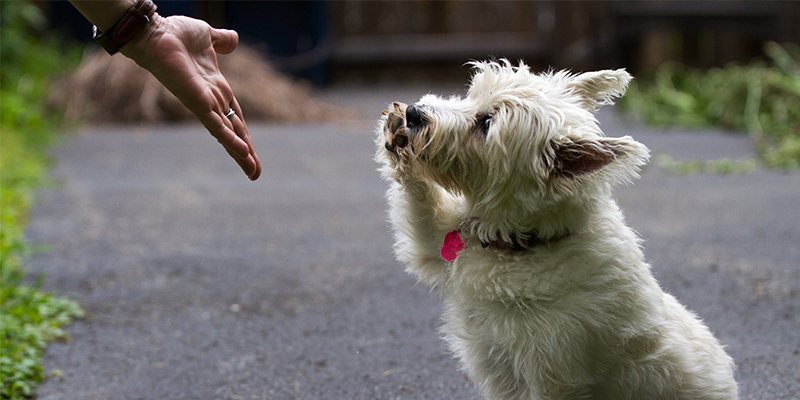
[(421, 212)]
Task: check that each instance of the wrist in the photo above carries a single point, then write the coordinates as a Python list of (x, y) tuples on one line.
[(135, 19), (140, 45)]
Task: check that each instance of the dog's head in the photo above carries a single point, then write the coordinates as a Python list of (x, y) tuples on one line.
[(518, 140)]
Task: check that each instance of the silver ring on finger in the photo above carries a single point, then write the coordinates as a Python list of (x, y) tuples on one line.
[(230, 114)]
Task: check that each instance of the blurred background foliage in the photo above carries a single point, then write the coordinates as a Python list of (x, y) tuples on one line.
[(29, 318), (761, 98)]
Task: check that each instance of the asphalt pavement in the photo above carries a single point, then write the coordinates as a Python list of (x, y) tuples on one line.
[(199, 284)]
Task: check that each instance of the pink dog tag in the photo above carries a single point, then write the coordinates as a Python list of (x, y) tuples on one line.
[(452, 246)]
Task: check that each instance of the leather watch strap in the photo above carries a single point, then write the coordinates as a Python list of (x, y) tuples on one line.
[(136, 18)]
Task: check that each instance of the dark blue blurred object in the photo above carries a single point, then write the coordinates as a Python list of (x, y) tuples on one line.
[(66, 19), (296, 33), (177, 7)]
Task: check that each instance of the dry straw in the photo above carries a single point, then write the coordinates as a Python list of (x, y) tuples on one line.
[(108, 89)]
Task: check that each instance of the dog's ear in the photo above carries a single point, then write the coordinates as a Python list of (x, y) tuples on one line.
[(601, 87), (618, 158)]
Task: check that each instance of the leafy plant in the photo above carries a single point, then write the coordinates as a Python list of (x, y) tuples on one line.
[(722, 166), (29, 318), (762, 99)]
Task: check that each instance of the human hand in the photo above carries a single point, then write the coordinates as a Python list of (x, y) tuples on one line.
[(181, 52)]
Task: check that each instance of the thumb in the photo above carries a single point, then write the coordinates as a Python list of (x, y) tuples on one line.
[(224, 40)]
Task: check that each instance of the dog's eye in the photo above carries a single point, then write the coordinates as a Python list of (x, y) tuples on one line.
[(484, 123)]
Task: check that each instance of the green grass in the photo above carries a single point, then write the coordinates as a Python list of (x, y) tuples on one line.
[(29, 318), (761, 98)]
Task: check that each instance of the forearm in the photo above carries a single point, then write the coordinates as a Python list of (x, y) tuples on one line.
[(103, 14), (421, 217), (423, 212)]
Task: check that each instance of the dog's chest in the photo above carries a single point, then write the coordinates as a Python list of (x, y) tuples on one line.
[(489, 274)]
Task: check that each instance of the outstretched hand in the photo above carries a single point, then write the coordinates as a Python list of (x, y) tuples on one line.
[(181, 52)]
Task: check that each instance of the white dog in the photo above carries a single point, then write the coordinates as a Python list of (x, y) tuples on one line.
[(547, 292)]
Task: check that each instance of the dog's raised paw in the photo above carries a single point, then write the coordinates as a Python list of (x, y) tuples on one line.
[(394, 129)]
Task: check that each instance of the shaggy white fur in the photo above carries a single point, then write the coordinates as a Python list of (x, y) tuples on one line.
[(565, 306)]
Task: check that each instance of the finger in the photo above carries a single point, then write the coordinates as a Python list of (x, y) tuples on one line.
[(253, 154), (224, 40), (223, 97), (218, 126), (240, 127), (248, 165), (257, 172)]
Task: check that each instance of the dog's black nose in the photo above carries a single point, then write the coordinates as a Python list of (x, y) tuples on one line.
[(414, 117)]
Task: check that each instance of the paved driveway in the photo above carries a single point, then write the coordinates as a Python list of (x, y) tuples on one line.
[(199, 284)]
